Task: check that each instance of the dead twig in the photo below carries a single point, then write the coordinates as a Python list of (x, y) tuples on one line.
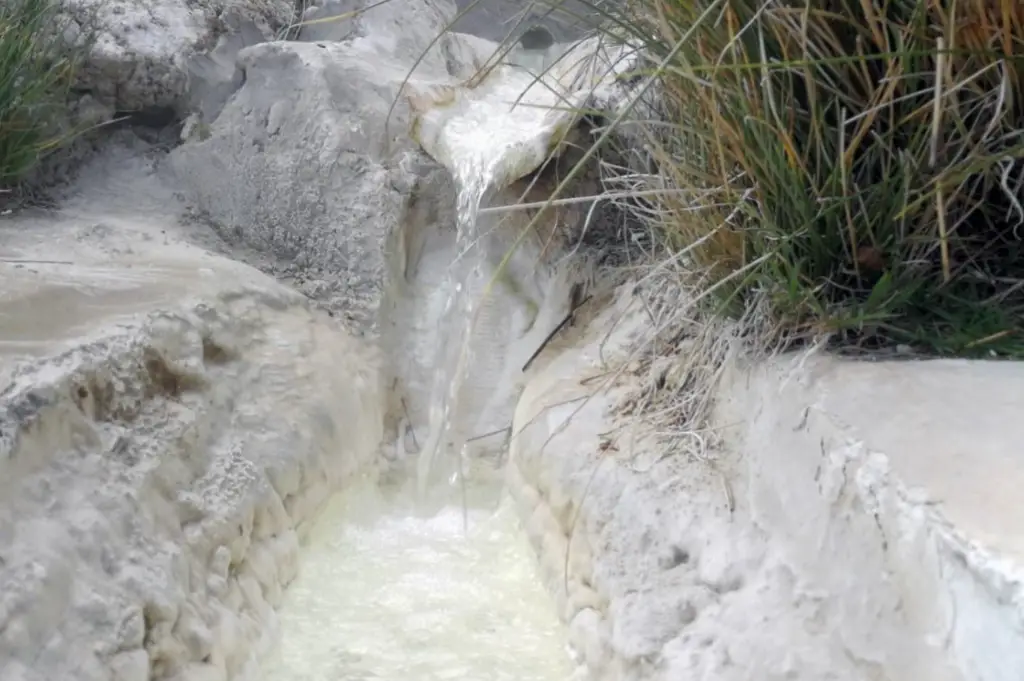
[(412, 428), (569, 319)]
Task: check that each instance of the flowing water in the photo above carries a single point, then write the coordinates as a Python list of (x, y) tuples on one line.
[(389, 588), (496, 133), (389, 594)]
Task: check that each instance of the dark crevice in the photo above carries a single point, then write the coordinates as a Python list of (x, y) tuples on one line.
[(156, 117)]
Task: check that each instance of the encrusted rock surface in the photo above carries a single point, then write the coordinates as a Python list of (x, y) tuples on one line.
[(311, 163), (838, 533), (143, 49), (170, 419), (156, 477), (303, 163)]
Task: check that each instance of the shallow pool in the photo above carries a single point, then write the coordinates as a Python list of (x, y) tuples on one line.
[(387, 592)]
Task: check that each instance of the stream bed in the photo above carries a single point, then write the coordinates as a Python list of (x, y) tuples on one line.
[(389, 591)]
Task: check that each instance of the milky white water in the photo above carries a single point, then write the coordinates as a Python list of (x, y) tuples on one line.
[(387, 594), (494, 134), (489, 134)]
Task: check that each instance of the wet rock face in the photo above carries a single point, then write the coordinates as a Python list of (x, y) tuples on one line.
[(311, 165)]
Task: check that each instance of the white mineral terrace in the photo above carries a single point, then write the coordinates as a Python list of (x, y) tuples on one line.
[(209, 436)]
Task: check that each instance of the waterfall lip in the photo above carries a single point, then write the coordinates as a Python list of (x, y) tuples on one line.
[(544, 104), (538, 114)]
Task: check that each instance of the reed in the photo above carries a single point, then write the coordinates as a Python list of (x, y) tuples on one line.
[(38, 61), (853, 166)]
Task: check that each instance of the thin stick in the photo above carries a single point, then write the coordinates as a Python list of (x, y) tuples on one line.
[(590, 379), (844, 180), (933, 156), (547, 339), (561, 325), (940, 206), (730, 499), (412, 428), (493, 432)]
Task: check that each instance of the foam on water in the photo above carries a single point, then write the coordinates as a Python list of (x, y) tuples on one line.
[(392, 595)]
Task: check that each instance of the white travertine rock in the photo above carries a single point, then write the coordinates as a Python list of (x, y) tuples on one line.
[(872, 535), (304, 163), (170, 422), (143, 49)]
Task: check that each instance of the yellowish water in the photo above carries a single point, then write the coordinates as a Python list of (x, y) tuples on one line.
[(387, 594)]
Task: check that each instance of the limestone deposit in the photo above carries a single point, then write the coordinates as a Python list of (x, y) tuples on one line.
[(171, 420)]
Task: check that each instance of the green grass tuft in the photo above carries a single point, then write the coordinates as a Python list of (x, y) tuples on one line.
[(37, 68), (857, 166)]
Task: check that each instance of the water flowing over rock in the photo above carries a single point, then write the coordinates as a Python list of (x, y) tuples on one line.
[(312, 162), (491, 133), (311, 159)]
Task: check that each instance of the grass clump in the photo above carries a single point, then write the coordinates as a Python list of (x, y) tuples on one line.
[(853, 167), (37, 67)]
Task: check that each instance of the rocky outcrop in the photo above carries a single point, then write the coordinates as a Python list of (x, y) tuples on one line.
[(890, 488), (142, 53), (172, 419), (311, 162), (304, 163)]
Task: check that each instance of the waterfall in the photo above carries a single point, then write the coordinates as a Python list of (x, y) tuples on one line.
[(489, 133)]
